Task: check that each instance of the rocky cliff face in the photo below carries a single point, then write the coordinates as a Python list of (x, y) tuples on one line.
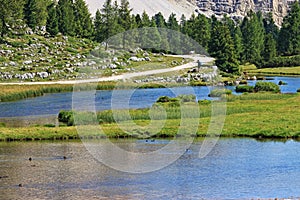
[(239, 8), (234, 8)]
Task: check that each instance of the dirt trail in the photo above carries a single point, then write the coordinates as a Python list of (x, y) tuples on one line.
[(195, 58)]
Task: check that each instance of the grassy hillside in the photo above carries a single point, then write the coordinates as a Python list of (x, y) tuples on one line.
[(36, 58)]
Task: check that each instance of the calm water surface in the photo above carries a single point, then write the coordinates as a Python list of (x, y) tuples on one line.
[(51, 104), (235, 169)]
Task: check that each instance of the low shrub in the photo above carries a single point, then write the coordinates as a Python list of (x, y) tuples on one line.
[(219, 92), (165, 99), (66, 117), (282, 83), (298, 90), (49, 125), (204, 102), (243, 82), (244, 88), (266, 87), (187, 98), (72, 118)]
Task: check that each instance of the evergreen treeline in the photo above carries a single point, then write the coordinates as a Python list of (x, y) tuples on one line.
[(255, 39)]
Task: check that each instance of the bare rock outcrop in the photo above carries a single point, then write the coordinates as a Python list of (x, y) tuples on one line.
[(239, 8)]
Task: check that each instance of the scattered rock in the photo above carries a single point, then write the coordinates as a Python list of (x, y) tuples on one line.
[(27, 62)]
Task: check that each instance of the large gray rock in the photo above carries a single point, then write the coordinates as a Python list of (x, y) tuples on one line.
[(27, 62), (43, 74)]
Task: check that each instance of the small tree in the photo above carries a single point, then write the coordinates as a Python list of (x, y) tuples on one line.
[(30, 13), (66, 18), (10, 12), (221, 47), (269, 51), (83, 21), (289, 36), (52, 20)]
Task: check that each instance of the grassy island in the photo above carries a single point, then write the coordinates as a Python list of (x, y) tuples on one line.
[(258, 115)]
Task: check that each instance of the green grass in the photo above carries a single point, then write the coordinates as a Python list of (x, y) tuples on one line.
[(251, 115), (292, 71), (18, 92), (246, 67), (52, 52), (258, 115)]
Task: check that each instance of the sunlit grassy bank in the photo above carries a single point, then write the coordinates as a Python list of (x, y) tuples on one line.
[(260, 115), (291, 71), (18, 92), (278, 71)]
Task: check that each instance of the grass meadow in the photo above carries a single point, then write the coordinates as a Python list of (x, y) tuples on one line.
[(258, 115)]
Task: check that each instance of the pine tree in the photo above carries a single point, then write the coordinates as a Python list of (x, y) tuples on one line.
[(83, 21), (221, 47), (138, 21), (98, 27), (126, 22), (190, 25), (143, 33), (146, 22), (270, 26), (269, 51), (52, 20), (289, 36), (109, 21), (253, 37), (238, 42), (125, 19), (153, 37), (172, 22), (66, 18), (187, 44), (230, 23), (201, 30), (160, 20), (30, 13), (173, 34), (161, 24), (42, 12), (10, 11)]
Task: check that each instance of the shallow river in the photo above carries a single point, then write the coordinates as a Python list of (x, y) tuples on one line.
[(51, 104), (235, 169)]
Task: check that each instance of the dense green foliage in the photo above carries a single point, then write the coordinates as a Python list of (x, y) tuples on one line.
[(244, 88), (52, 20), (260, 87), (289, 36), (282, 61), (266, 87), (219, 92), (255, 39), (180, 98), (221, 47)]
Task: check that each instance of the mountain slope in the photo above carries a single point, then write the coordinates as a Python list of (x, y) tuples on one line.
[(166, 7), (234, 8)]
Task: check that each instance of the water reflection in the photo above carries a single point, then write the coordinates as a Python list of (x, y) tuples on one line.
[(236, 168)]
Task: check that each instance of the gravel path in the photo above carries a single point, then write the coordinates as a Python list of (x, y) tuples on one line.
[(192, 64)]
